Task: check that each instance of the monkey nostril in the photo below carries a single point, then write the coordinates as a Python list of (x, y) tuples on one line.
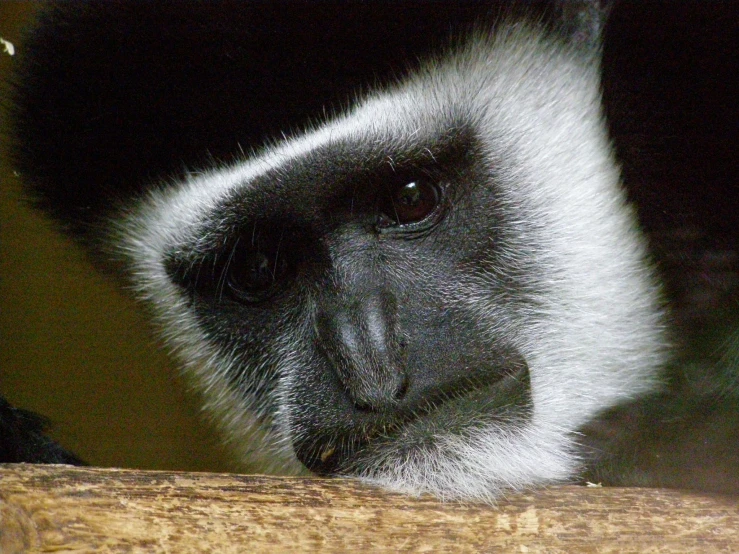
[(402, 389), (383, 397)]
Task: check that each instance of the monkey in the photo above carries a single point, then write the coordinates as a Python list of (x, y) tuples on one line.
[(23, 439), (399, 244)]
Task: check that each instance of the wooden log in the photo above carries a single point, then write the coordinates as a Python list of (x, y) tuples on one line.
[(66, 509)]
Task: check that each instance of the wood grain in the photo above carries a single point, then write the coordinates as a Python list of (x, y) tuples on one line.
[(66, 509)]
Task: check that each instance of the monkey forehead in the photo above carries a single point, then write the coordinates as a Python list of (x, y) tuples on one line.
[(500, 87)]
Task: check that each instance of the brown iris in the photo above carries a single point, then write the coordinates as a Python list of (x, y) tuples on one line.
[(253, 273), (410, 203)]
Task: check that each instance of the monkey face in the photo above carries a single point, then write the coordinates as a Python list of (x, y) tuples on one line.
[(368, 293), (428, 291)]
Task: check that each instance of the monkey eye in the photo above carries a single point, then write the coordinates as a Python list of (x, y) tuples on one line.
[(253, 275), (409, 203)]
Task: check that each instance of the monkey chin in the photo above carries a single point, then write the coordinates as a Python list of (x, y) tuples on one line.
[(471, 447)]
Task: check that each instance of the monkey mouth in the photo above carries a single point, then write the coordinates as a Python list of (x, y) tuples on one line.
[(406, 435)]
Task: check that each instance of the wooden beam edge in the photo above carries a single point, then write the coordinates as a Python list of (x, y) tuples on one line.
[(64, 508)]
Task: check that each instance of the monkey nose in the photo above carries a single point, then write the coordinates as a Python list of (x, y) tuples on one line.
[(360, 342)]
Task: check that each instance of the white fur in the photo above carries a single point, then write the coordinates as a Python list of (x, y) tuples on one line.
[(596, 338)]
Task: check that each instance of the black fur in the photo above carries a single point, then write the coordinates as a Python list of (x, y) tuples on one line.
[(100, 123), (22, 439), (131, 111)]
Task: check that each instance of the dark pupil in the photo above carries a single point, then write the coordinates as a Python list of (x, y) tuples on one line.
[(253, 272), (258, 271), (413, 202)]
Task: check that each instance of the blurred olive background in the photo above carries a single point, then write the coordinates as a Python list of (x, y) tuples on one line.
[(76, 349)]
